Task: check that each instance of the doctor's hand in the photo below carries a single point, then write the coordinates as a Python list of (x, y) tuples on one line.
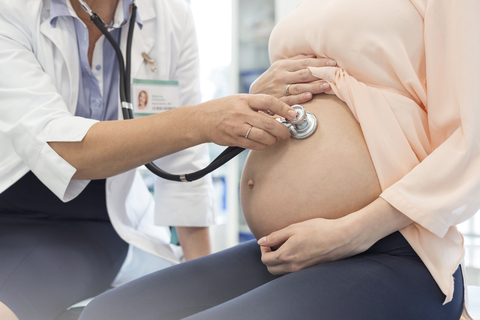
[(291, 81), (235, 121)]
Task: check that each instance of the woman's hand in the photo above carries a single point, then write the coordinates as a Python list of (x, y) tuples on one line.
[(294, 73), (305, 244), (235, 121)]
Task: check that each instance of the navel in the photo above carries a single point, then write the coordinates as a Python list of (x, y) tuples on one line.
[(250, 184)]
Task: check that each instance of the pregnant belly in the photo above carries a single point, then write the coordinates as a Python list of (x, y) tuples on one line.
[(328, 175)]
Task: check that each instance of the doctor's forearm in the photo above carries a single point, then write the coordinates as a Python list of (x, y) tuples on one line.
[(112, 147)]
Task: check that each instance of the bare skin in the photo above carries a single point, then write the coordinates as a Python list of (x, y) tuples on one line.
[(324, 209), (294, 73), (149, 138), (328, 234), (328, 175), (195, 241), (112, 147), (105, 9), (6, 313), (315, 241)]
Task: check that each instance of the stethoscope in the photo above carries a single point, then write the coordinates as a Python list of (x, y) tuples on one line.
[(304, 124)]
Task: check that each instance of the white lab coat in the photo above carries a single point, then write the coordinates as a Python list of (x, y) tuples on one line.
[(39, 83)]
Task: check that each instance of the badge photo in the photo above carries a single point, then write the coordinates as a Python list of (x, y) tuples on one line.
[(154, 96)]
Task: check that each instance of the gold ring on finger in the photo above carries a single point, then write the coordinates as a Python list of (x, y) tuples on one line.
[(248, 132), (287, 89)]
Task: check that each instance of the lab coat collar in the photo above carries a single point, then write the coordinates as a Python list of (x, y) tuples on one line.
[(142, 39), (67, 46), (146, 9), (59, 8)]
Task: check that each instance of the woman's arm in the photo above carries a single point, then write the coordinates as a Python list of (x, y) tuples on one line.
[(440, 190), (113, 147)]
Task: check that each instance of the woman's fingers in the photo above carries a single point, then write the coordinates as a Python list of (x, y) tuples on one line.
[(284, 258), (275, 238), (312, 242), (303, 92), (301, 64), (299, 76), (265, 250), (297, 99), (281, 73), (303, 56), (315, 87)]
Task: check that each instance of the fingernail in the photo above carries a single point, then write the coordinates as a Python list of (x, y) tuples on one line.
[(325, 86), (262, 241), (306, 96), (331, 63), (291, 113)]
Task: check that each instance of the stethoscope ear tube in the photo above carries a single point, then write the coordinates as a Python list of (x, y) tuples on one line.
[(127, 112), (121, 64), (228, 154)]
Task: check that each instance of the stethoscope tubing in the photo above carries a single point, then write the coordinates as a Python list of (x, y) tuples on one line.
[(125, 96)]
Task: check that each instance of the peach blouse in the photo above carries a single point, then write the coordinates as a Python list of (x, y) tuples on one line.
[(410, 72)]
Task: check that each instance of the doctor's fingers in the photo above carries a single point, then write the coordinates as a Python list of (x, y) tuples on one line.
[(269, 104), (259, 131), (265, 130)]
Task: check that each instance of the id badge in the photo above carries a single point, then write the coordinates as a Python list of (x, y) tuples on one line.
[(154, 96)]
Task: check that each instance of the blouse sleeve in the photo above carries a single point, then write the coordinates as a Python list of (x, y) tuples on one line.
[(444, 189)]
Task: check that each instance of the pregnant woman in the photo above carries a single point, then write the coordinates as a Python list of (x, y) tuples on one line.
[(357, 221)]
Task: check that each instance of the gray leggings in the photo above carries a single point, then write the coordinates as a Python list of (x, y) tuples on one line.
[(388, 281)]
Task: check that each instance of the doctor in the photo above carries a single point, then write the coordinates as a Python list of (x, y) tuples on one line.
[(70, 198)]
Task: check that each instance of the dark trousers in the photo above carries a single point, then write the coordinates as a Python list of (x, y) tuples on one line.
[(388, 281), (55, 254)]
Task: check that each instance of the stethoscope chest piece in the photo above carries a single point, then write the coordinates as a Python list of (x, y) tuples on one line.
[(304, 124)]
